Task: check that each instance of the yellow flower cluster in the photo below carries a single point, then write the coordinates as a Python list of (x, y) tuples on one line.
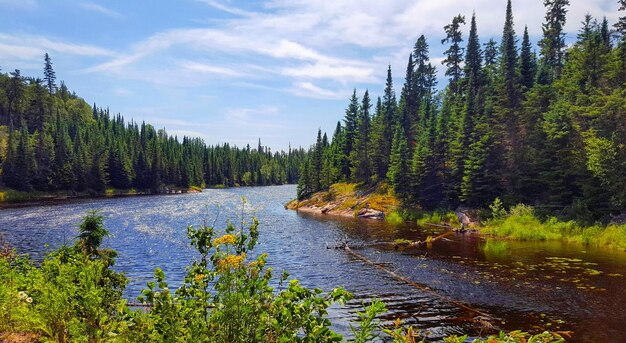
[(23, 296), (230, 262), (199, 277), (226, 239)]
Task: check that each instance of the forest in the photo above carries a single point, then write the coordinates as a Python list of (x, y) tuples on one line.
[(52, 140), (542, 125)]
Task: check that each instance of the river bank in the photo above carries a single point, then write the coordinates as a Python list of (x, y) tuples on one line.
[(10, 198), (520, 222)]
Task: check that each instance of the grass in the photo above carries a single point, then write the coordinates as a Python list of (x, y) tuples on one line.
[(439, 217), (11, 196), (394, 218), (521, 223)]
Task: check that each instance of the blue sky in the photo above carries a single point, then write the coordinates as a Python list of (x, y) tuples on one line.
[(235, 71)]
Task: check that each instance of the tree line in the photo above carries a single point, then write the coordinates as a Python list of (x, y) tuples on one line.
[(545, 127), (52, 140)]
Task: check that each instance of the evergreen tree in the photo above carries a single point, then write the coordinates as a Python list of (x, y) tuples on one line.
[(527, 64), (508, 61), (553, 43), (382, 137), (360, 156), (620, 25), (49, 74), (454, 54), (398, 173), (350, 133)]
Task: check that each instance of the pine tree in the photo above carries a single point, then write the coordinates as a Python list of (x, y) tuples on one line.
[(361, 164), (350, 132), (454, 54), (398, 173), (382, 136), (553, 43), (620, 26), (508, 61), (407, 99), (527, 64), (316, 163), (49, 75)]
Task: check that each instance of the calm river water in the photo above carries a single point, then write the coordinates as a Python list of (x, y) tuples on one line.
[(518, 285)]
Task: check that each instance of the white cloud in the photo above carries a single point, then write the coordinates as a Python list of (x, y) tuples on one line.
[(309, 90), (263, 117), (226, 8), (27, 47), (209, 69), (344, 73), (90, 6)]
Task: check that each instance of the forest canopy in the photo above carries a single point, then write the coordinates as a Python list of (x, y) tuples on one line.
[(52, 140)]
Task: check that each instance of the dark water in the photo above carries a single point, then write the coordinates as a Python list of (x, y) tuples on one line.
[(518, 285)]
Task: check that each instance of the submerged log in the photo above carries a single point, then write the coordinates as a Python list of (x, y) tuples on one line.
[(475, 314)]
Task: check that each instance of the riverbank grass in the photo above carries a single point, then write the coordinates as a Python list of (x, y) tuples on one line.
[(522, 223)]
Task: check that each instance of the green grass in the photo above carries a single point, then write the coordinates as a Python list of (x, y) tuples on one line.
[(521, 223), (439, 217), (394, 218)]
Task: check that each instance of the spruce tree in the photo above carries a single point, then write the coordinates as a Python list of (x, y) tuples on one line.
[(398, 172), (553, 43), (527, 64), (49, 75), (454, 54), (508, 61), (349, 132), (361, 164), (620, 26)]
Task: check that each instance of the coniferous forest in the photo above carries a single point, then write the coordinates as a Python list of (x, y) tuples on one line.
[(52, 140), (542, 125)]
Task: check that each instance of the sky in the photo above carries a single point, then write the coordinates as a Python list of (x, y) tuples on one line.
[(236, 71)]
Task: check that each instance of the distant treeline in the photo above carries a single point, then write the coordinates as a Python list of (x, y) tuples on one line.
[(547, 130), (51, 139)]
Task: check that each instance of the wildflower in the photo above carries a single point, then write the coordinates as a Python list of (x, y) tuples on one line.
[(22, 295), (230, 262), (226, 239), (199, 277), (29, 300)]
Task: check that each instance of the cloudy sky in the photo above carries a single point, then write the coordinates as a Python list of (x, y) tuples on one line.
[(235, 71)]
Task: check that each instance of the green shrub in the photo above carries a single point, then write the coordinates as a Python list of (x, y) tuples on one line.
[(394, 218)]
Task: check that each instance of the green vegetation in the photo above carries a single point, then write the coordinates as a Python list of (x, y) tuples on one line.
[(75, 296), (522, 223), (52, 141), (439, 217), (547, 130)]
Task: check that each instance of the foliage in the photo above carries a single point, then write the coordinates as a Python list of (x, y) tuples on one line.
[(51, 140), (522, 223), (439, 217), (547, 130)]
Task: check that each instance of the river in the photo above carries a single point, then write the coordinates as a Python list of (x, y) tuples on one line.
[(516, 285)]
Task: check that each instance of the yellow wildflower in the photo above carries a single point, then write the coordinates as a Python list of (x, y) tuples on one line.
[(199, 277), (226, 239), (230, 262)]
